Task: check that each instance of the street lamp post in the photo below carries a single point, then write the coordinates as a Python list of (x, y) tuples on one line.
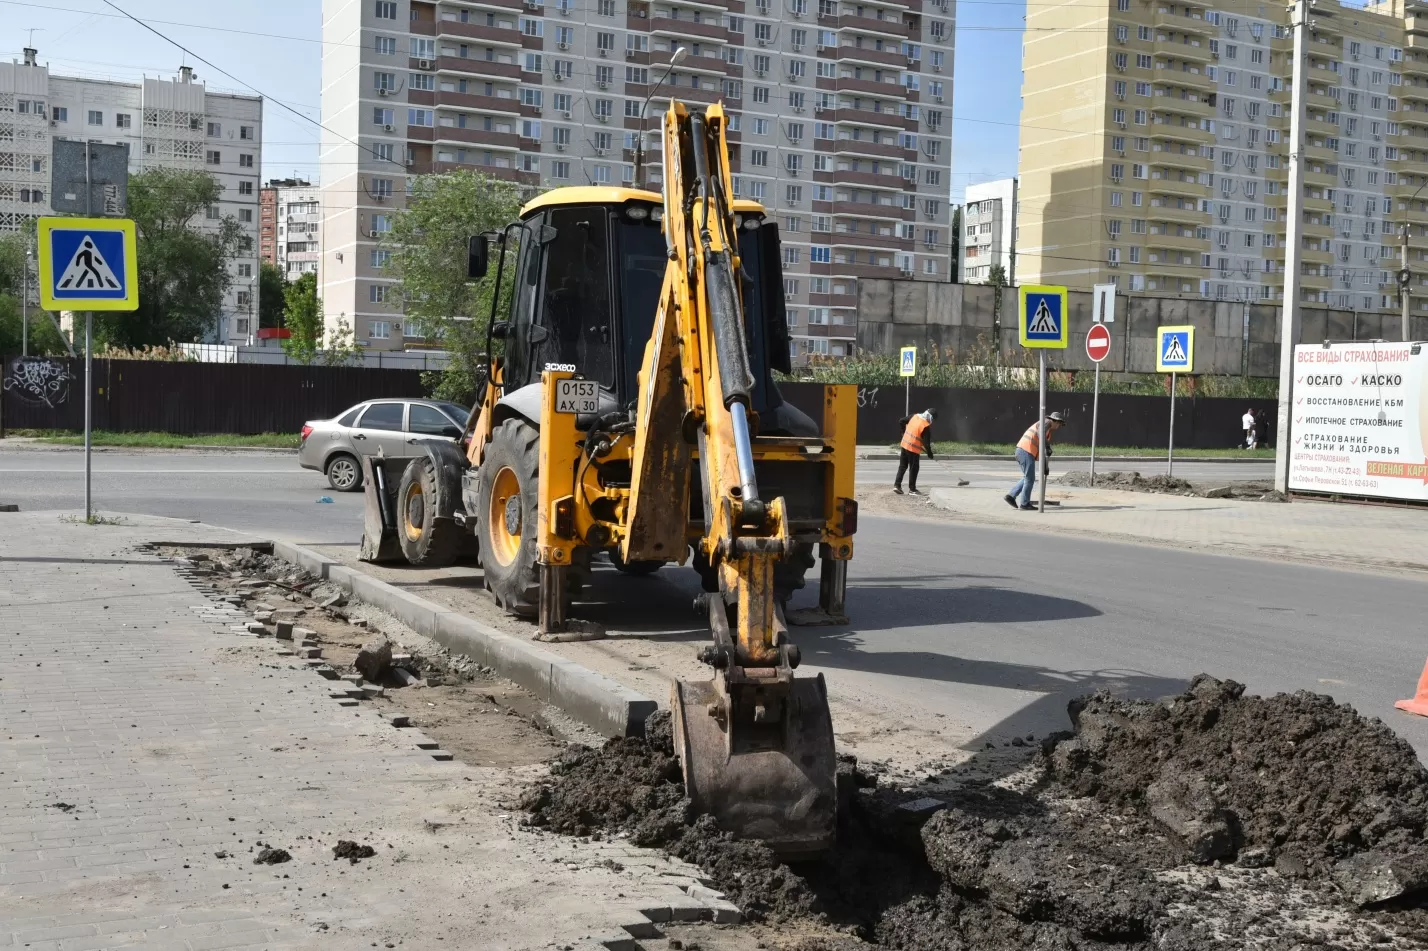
[(1404, 276), (674, 60)]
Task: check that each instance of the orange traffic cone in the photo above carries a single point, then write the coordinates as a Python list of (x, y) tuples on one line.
[(1419, 703)]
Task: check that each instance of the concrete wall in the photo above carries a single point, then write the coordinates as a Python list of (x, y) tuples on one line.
[(959, 318)]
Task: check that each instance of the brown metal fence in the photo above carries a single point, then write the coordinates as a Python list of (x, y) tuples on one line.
[(187, 398)]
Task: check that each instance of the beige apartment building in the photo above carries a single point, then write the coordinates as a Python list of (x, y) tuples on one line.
[(840, 126), (1154, 149)]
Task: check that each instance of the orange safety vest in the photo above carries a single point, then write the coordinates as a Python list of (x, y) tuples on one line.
[(1029, 442), (912, 436)]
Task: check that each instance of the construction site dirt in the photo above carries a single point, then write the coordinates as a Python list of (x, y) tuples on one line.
[(1209, 820)]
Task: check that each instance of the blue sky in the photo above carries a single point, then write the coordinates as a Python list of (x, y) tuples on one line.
[(279, 54)]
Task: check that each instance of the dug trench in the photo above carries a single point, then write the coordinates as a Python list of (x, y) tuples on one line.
[(1210, 820)]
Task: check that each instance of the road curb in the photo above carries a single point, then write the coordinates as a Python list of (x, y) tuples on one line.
[(597, 701)]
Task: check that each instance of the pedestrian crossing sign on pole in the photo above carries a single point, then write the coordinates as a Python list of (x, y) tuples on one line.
[(88, 264), (1042, 321), (908, 367), (1175, 350)]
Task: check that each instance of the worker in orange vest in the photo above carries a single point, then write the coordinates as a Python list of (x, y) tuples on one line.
[(916, 439), (1028, 453)]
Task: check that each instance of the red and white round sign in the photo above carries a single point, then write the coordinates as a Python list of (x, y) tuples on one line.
[(1098, 342)]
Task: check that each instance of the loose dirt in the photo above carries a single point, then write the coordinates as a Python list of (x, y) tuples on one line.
[(1208, 821), (1249, 491)]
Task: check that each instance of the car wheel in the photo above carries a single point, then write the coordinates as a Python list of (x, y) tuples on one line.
[(343, 473)]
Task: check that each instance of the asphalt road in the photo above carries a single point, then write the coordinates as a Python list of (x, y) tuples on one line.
[(948, 617)]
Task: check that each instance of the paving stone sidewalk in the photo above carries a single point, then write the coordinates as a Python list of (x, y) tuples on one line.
[(147, 750), (1340, 535)]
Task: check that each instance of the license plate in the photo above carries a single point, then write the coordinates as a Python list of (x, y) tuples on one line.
[(581, 397)]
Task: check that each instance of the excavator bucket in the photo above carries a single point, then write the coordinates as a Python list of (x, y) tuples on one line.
[(766, 770)]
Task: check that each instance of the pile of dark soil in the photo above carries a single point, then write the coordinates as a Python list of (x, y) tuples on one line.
[(1208, 821), (1249, 491)]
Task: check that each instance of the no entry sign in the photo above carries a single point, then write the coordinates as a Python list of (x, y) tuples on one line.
[(1098, 342)]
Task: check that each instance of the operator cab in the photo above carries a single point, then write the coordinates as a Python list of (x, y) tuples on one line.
[(588, 274)]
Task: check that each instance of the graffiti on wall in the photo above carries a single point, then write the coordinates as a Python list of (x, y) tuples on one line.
[(38, 381)]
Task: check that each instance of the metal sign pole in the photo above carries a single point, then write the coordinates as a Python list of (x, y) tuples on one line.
[(1095, 415), (1170, 455), (907, 396), (1041, 439), (88, 409)]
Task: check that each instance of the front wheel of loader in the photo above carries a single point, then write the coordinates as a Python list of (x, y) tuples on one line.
[(507, 503), (427, 541)]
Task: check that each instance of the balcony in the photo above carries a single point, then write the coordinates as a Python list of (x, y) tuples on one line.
[(1417, 118), (1180, 189), (886, 120), (1413, 92), (865, 54), (867, 209), (1166, 158), (1316, 256), (1186, 79), (1319, 205), (871, 25), (868, 179), (886, 242), (480, 137), (890, 150), (1195, 50), (681, 28), (478, 67), (1180, 23), (479, 31), (460, 100), (1177, 215), (1177, 243), (1321, 127), (497, 171), (870, 86), (1181, 133), (1320, 179), (1322, 100)]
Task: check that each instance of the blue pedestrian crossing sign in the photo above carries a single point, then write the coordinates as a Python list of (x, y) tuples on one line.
[(1175, 349), (1042, 321), (88, 264), (908, 366)]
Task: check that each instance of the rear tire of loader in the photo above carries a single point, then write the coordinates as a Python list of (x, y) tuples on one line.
[(506, 513), (427, 541)]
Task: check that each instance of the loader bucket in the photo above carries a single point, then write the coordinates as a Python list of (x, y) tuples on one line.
[(381, 478), (772, 782)]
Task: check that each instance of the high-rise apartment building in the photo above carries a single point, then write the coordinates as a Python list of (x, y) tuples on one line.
[(290, 235), (988, 230), (1154, 149), (840, 126), (170, 123)]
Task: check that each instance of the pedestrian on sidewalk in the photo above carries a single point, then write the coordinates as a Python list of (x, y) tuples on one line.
[(1028, 455), (916, 439), (1247, 421)]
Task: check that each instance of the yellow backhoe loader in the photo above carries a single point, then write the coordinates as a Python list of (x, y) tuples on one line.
[(634, 414)]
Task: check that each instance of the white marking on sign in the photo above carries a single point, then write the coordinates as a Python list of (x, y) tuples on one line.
[(87, 270), (1042, 322), (1098, 342), (1174, 352), (580, 397)]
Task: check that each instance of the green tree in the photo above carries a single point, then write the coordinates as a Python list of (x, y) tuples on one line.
[(183, 266), (272, 287), (428, 244), (43, 338), (997, 276), (302, 315), (312, 341)]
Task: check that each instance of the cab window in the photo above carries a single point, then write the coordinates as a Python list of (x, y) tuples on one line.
[(576, 305)]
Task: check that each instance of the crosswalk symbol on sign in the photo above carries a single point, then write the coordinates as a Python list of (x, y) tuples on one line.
[(1174, 350), (87, 270), (1042, 322)]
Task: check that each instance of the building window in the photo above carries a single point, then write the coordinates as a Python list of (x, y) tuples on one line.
[(377, 294), (213, 157), (211, 212), (382, 117), (245, 188), (381, 329), (421, 117), (59, 114), (382, 187), (96, 117), (245, 160), (386, 10), (122, 120), (820, 255), (386, 45), (244, 298), (245, 214), (380, 257)]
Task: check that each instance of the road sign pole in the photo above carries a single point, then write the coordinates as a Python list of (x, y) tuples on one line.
[(907, 396), (88, 409), (1170, 454), (1095, 415), (1041, 439)]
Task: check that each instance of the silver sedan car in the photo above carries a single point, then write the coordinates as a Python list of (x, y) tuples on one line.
[(335, 446)]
